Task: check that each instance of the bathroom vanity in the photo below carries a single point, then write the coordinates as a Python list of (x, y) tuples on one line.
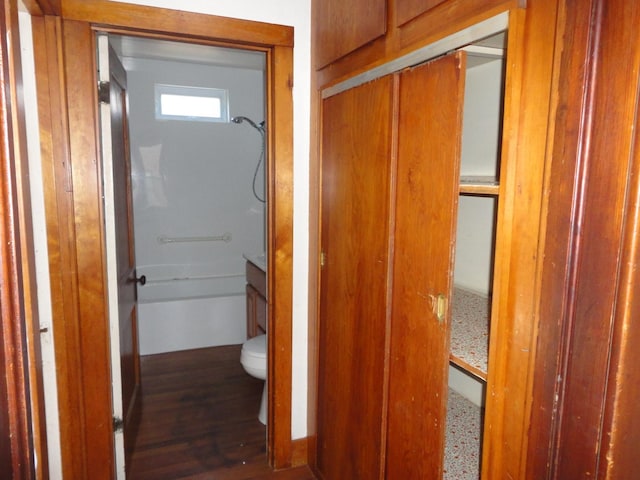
[(256, 295)]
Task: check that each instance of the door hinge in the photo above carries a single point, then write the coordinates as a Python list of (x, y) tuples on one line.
[(104, 93), (323, 259), (118, 424)]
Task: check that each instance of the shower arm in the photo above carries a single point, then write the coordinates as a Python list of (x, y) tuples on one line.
[(240, 119)]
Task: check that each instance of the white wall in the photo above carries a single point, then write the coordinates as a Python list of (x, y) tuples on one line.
[(476, 215), (295, 13), (480, 152)]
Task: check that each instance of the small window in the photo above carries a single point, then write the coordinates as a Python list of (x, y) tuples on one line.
[(198, 104)]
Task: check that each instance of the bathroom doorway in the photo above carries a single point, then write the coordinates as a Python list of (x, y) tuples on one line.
[(189, 159), (66, 85), (198, 187)]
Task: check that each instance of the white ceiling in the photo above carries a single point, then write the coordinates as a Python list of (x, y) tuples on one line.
[(145, 48)]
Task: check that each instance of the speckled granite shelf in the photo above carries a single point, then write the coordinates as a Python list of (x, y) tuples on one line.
[(470, 331), (463, 439), (479, 185)]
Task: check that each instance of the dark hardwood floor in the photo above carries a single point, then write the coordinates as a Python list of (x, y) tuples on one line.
[(199, 420)]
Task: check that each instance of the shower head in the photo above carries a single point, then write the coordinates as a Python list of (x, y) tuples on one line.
[(241, 119)]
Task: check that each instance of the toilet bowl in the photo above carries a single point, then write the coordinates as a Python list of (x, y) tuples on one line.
[(254, 361)]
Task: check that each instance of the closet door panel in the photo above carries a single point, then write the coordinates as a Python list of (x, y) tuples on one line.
[(409, 9), (343, 27), (354, 238), (429, 144)]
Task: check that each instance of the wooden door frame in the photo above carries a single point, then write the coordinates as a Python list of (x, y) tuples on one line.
[(22, 437), (65, 66), (16, 455), (586, 383)]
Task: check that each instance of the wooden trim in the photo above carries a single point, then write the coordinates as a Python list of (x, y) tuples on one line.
[(529, 67), (299, 452), (33, 7), (43, 7), (92, 327), (29, 289), (450, 17), (558, 247), (619, 453), (58, 196), (16, 442), (438, 20), (178, 22), (587, 380), (280, 253), (315, 216)]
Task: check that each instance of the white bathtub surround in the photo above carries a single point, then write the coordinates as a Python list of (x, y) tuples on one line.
[(200, 322), (183, 307), (194, 210)]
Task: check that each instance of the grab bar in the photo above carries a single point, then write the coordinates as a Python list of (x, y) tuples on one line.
[(225, 237), (195, 277)]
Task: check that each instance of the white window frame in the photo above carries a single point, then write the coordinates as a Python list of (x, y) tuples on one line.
[(198, 92)]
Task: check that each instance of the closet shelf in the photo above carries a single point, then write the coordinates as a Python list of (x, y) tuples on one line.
[(470, 331), (463, 439), (479, 185)]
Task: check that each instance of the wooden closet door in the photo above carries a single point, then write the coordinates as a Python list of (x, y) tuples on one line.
[(356, 158), (429, 144)]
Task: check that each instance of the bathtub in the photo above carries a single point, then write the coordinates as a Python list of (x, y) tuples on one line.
[(183, 307)]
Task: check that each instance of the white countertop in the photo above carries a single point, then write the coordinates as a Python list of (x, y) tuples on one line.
[(259, 260)]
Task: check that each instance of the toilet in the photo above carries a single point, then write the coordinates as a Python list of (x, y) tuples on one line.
[(254, 361)]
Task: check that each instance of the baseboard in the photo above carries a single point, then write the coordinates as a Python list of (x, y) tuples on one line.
[(299, 452)]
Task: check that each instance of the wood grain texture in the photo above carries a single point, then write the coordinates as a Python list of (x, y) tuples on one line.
[(343, 27), (16, 291), (445, 19), (58, 199), (515, 298), (32, 7), (356, 162), (92, 328), (429, 148), (30, 327), (181, 23), (280, 252), (256, 291), (610, 109), (45, 7), (586, 350), (618, 453), (407, 10)]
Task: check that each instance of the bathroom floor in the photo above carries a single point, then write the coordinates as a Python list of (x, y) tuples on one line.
[(199, 420)]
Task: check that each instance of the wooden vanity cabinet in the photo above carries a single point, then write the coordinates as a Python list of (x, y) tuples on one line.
[(256, 290)]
